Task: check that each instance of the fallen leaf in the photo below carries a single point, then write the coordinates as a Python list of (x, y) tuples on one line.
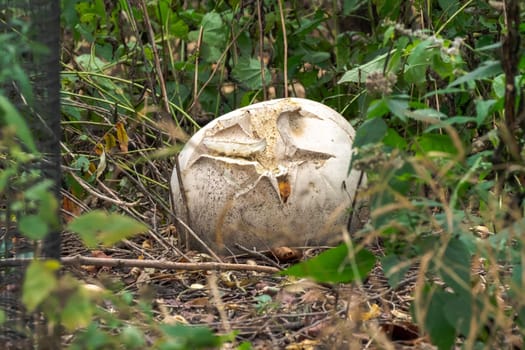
[(373, 312), (481, 231), (198, 302), (122, 136), (286, 254), (306, 344), (109, 142), (146, 244)]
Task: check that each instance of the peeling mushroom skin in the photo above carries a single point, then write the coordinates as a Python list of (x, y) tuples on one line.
[(271, 174)]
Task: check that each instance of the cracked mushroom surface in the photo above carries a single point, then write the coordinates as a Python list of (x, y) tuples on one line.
[(271, 174)]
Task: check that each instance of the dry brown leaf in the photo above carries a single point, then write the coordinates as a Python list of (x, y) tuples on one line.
[(481, 231), (174, 319), (71, 210), (373, 312), (122, 136), (146, 244), (286, 254), (198, 302), (109, 142), (307, 344)]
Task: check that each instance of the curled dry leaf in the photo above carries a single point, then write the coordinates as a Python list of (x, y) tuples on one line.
[(286, 254), (481, 231)]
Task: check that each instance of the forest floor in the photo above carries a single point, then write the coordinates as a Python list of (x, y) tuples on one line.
[(267, 310)]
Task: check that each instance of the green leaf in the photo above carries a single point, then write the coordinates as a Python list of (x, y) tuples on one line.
[(40, 280), (193, 337), (78, 311), (488, 69), (107, 229), (33, 227), (359, 74), (5, 176), (371, 131), (398, 107), (39, 190), (442, 333), (10, 116), (454, 267), (3, 316), (132, 338), (334, 266), (428, 143), (394, 270), (483, 109), (248, 72), (459, 311), (394, 140)]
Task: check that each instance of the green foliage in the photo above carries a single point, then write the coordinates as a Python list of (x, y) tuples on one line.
[(339, 264), (99, 227)]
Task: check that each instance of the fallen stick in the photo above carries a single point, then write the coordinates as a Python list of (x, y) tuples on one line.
[(78, 260)]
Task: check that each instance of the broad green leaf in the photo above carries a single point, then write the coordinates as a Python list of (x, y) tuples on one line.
[(40, 280), (394, 269), (78, 311), (248, 73), (377, 108), (451, 121), (33, 227), (99, 227), (488, 69), (39, 190), (460, 311), (194, 337), (359, 74), (3, 316), (426, 114), (483, 109), (371, 131), (393, 139), (132, 338), (179, 29), (334, 266), (442, 333), (454, 267), (428, 143), (10, 116), (398, 107), (418, 61), (5, 176)]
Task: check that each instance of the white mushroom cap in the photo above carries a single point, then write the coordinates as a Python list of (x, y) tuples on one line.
[(270, 174)]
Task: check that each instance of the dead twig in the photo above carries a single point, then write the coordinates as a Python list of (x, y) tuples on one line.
[(168, 265)]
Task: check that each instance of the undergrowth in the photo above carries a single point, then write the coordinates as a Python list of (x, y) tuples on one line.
[(433, 88)]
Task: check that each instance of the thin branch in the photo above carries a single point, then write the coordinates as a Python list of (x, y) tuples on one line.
[(99, 195), (158, 68), (261, 49), (285, 49), (79, 260)]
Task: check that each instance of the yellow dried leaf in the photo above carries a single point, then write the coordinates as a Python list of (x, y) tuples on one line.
[(109, 142), (122, 136), (373, 312)]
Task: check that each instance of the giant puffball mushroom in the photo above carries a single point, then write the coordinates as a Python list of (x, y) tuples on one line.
[(271, 174)]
